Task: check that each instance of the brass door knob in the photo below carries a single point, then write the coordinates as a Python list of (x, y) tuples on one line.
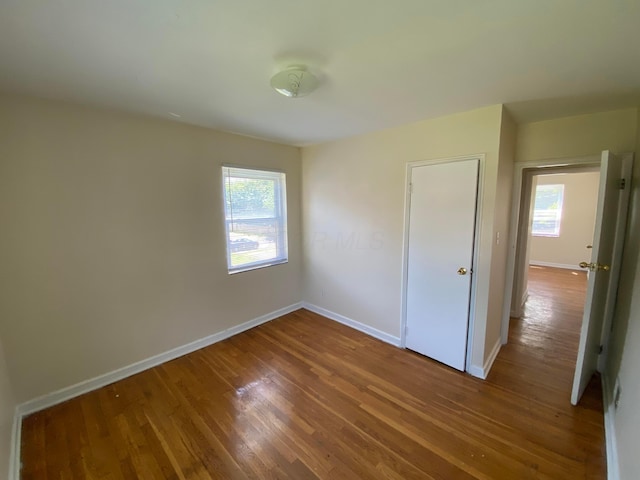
[(594, 266), (462, 271)]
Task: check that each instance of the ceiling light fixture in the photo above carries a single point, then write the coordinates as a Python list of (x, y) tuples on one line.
[(295, 81)]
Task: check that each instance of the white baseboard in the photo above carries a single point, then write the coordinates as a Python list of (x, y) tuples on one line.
[(476, 371), (72, 391), (86, 386), (566, 266), (520, 309), (613, 468), (100, 381), (483, 372), (374, 332), (525, 297)]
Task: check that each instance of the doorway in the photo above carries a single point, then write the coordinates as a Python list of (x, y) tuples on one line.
[(558, 206), (607, 247), (560, 226), (547, 314)]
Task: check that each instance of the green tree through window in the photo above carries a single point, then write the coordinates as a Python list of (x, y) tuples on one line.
[(255, 218), (547, 211)]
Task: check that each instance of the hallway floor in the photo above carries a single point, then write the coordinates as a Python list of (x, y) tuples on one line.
[(539, 360)]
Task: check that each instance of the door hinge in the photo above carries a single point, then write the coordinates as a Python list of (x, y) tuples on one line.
[(601, 349), (623, 183), (410, 188)]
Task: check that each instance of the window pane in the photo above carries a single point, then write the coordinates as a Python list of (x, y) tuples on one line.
[(251, 198), (255, 218), (547, 212)]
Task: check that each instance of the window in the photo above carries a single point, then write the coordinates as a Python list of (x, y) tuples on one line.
[(547, 210), (255, 218)]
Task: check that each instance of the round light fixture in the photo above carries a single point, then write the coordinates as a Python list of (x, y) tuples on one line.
[(295, 81)]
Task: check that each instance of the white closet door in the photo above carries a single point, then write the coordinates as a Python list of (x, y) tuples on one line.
[(441, 237)]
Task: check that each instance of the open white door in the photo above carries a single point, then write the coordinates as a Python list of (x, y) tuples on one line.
[(602, 284)]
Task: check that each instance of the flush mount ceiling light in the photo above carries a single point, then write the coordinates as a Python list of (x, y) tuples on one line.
[(295, 81)]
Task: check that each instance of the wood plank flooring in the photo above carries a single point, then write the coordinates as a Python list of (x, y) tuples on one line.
[(303, 397)]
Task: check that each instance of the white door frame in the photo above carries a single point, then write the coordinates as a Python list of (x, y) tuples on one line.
[(520, 174), (616, 260), (476, 244), (522, 234)]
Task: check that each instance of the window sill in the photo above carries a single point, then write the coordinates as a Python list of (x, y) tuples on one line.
[(248, 268)]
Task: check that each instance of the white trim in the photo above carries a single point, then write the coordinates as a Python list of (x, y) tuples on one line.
[(566, 266), (108, 378), (373, 332), (613, 467), (483, 372), (616, 258), (476, 247), (16, 443), (72, 391), (279, 178), (520, 308)]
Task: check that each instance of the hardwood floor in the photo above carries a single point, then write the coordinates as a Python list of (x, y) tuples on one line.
[(303, 397)]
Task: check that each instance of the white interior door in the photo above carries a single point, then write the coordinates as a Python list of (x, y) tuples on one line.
[(604, 267), (441, 236)]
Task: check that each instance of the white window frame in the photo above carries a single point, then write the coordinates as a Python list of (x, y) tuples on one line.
[(557, 217), (280, 218)]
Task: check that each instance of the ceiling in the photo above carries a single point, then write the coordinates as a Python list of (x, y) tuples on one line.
[(381, 63)]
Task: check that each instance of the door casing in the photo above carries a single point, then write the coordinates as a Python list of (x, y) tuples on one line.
[(522, 173), (523, 237), (476, 245)]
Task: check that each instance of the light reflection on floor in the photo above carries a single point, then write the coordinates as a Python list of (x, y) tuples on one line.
[(550, 325)]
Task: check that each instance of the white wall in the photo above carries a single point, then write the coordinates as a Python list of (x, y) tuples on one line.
[(627, 417), (113, 243), (7, 410), (624, 346), (578, 221), (353, 204)]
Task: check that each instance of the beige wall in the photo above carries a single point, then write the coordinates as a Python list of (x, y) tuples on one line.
[(624, 347), (113, 241), (578, 221), (577, 136), (353, 204), (500, 247), (7, 410)]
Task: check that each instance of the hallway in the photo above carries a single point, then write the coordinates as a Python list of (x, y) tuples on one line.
[(539, 362)]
